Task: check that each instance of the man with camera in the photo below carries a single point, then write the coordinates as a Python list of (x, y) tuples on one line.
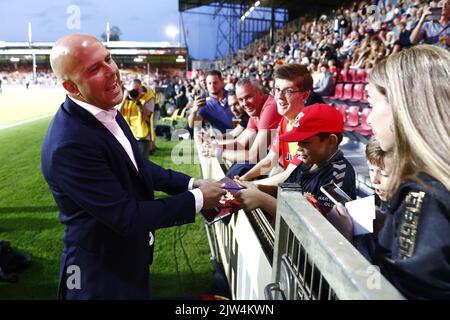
[(434, 26), (137, 108)]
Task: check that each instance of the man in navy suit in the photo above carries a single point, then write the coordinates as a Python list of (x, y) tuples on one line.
[(103, 187)]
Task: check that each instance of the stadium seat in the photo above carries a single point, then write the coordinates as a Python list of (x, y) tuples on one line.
[(348, 91), (352, 118), (361, 76), (351, 76), (364, 128), (364, 96), (358, 92), (342, 108), (338, 92), (343, 75)]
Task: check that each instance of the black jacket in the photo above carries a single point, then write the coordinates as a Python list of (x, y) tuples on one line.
[(107, 206), (413, 247), (338, 170)]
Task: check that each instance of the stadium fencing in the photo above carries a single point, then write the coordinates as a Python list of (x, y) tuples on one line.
[(305, 257)]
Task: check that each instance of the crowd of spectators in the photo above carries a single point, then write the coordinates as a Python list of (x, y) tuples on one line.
[(23, 75), (355, 37)]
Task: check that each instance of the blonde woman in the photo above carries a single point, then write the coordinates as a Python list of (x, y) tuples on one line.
[(410, 96)]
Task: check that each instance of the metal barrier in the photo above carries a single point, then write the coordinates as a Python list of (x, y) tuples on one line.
[(312, 260), (244, 246), (304, 258)]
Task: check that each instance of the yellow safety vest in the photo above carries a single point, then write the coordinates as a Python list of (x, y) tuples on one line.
[(133, 116)]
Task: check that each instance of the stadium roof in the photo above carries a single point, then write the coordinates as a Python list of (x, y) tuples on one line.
[(291, 5)]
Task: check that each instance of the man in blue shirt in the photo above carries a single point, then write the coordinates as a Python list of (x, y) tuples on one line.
[(434, 31), (214, 108)]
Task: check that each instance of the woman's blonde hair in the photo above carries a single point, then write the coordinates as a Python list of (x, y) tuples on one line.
[(416, 84)]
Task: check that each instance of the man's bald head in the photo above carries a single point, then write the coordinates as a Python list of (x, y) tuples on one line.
[(86, 70), (65, 53)]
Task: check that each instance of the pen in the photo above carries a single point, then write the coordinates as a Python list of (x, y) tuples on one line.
[(233, 188)]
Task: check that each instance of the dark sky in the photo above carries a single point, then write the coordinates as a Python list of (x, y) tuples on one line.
[(139, 20)]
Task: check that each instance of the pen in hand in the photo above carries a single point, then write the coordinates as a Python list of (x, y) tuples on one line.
[(233, 188)]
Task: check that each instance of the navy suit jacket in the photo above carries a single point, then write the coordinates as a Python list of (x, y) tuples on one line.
[(107, 206)]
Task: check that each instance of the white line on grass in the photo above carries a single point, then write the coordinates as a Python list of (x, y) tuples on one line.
[(26, 121)]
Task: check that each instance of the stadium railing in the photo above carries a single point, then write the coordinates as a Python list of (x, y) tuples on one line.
[(244, 245), (305, 257), (313, 261)]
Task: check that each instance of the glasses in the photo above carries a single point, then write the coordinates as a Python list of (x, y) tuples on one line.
[(288, 93)]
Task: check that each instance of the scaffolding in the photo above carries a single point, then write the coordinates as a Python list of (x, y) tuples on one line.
[(234, 33)]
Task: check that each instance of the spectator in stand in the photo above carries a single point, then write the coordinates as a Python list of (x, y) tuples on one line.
[(403, 40), (376, 54), (349, 45), (318, 133), (396, 29), (413, 18), (326, 82), (434, 32), (332, 68), (200, 83), (389, 14), (252, 144), (288, 79), (314, 71), (214, 108), (412, 247), (360, 54), (239, 114)]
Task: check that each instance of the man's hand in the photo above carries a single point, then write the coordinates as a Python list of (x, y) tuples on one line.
[(199, 103), (341, 220), (426, 12), (202, 182), (250, 197), (209, 148), (212, 193)]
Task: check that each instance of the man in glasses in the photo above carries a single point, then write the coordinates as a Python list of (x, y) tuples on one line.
[(292, 92)]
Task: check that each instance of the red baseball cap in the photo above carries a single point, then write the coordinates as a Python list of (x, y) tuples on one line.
[(313, 120)]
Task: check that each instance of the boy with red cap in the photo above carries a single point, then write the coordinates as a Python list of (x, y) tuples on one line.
[(318, 131)]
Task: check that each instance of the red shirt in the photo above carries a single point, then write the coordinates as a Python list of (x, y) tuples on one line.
[(269, 118), (286, 150)]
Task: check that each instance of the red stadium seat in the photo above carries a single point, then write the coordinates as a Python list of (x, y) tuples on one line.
[(348, 91), (351, 76), (338, 92), (342, 108), (364, 96), (352, 118), (364, 128), (358, 92), (343, 75), (361, 76)]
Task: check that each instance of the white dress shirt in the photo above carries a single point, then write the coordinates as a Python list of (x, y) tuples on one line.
[(108, 119)]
